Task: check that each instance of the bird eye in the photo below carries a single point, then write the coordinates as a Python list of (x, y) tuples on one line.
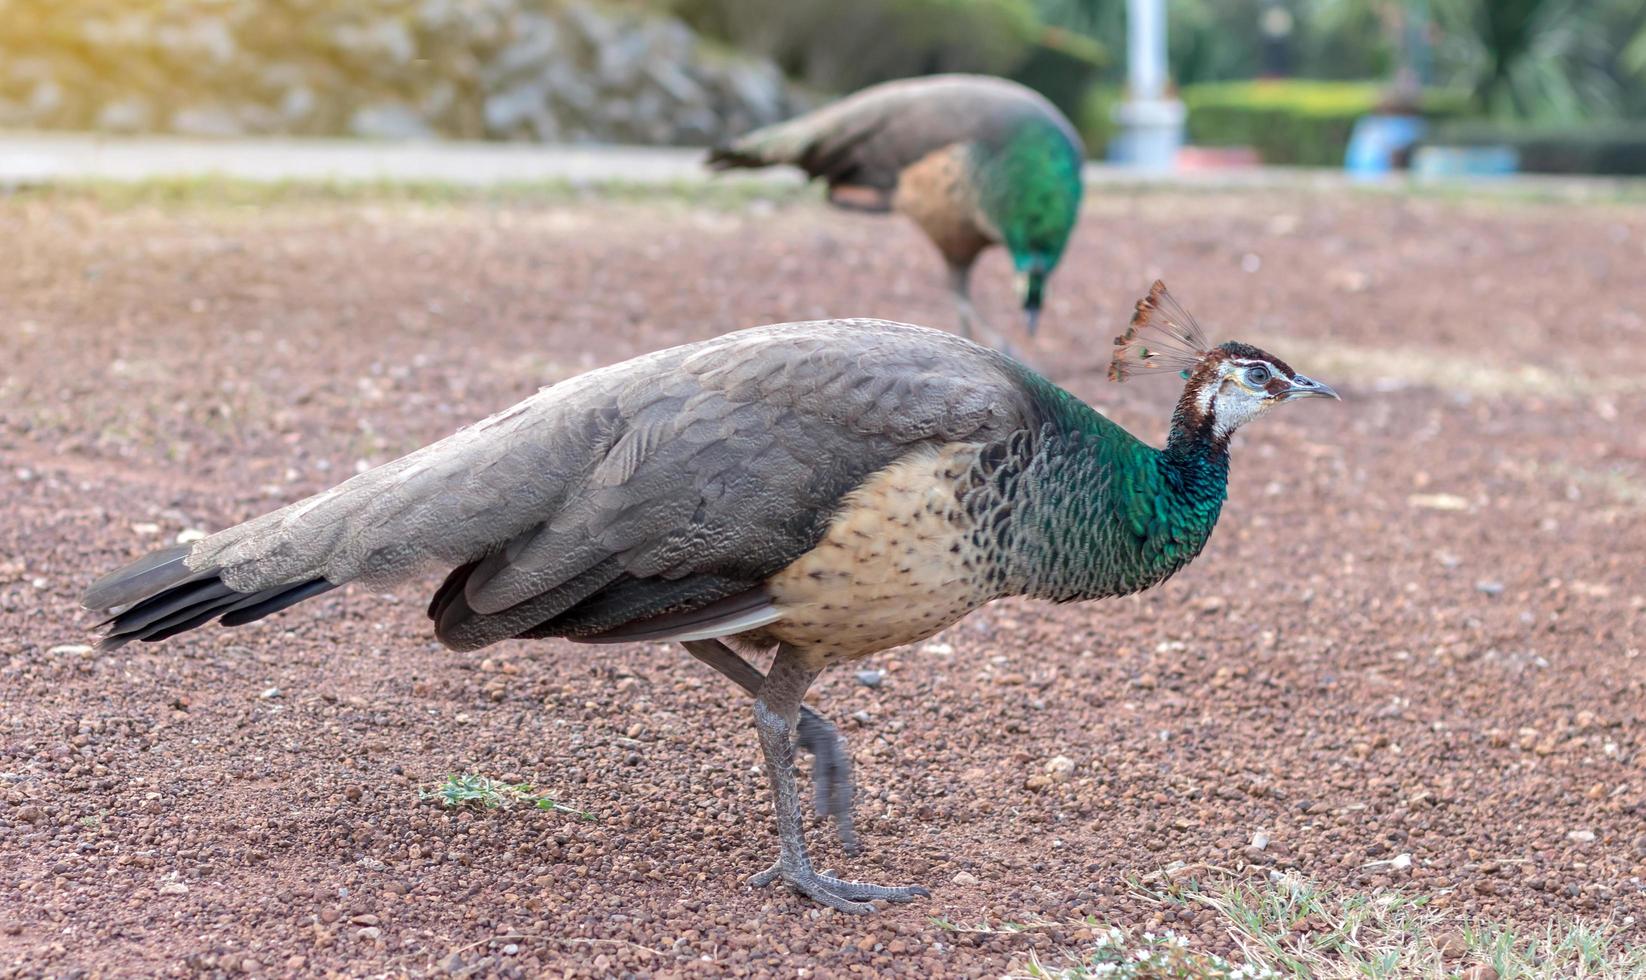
[(1257, 376)]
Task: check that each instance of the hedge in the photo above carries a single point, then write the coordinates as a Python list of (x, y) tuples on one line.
[(1291, 121), (1614, 149)]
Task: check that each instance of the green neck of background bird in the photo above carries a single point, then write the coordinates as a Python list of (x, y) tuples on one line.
[(1110, 515), (1031, 188)]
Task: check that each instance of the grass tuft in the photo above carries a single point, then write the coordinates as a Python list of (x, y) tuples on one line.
[(484, 793), (1288, 927), (1126, 956)]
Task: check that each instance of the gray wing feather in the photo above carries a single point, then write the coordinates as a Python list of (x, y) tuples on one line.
[(723, 459)]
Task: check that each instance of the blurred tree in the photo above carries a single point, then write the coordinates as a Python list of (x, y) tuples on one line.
[(1532, 59), (1525, 59), (1208, 40), (842, 45)]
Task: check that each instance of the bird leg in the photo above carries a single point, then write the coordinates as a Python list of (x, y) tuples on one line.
[(831, 766), (776, 713), (960, 284)]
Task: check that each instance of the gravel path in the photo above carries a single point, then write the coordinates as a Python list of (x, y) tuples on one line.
[(1413, 656)]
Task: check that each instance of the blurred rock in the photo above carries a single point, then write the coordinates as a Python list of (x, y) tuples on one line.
[(383, 69)]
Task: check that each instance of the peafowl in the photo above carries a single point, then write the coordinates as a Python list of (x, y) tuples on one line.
[(973, 160), (826, 489)]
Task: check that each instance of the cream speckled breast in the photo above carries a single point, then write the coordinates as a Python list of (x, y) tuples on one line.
[(896, 565)]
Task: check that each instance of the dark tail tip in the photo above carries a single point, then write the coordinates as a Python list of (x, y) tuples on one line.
[(728, 156), (142, 578), (160, 596)]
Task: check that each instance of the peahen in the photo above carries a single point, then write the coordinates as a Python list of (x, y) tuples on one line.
[(974, 160), (828, 489)]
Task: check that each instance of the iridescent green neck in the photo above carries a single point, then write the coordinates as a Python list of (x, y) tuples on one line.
[(1104, 514)]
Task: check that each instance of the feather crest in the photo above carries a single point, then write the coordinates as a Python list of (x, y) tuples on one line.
[(1162, 337)]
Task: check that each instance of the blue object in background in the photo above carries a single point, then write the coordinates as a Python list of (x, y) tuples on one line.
[(1377, 143), (1465, 161)]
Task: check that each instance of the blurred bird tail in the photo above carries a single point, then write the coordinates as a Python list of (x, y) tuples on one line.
[(761, 148)]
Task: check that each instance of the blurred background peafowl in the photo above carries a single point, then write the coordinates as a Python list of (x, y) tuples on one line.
[(828, 489), (975, 161)]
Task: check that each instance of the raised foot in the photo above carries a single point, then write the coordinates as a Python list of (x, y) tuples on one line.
[(831, 774), (837, 893)]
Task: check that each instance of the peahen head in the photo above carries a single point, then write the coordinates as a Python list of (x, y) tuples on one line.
[(1226, 386)]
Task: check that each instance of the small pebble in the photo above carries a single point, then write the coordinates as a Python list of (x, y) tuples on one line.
[(871, 678)]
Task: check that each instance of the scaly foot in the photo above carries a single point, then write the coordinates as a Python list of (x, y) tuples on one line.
[(777, 713), (837, 893)]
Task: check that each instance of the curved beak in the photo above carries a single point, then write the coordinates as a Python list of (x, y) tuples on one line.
[(1031, 316), (1308, 388)]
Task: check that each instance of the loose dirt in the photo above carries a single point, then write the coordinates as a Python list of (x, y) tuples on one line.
[(1420, 629)]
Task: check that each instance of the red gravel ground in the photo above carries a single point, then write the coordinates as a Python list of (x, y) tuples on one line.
[(1419, 629)]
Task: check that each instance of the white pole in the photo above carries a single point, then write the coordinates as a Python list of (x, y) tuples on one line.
[(1151, 121), (1146, 48)]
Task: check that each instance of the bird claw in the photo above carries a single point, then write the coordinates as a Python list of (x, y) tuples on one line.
[(831, 774), (843, 895)]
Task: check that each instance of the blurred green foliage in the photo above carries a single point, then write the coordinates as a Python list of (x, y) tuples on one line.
[(1095, 118), (1510, 60), (1064, 67), (1546, 59), (1292, 121), (1289, 122), (842, 45), (1519, 59)]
